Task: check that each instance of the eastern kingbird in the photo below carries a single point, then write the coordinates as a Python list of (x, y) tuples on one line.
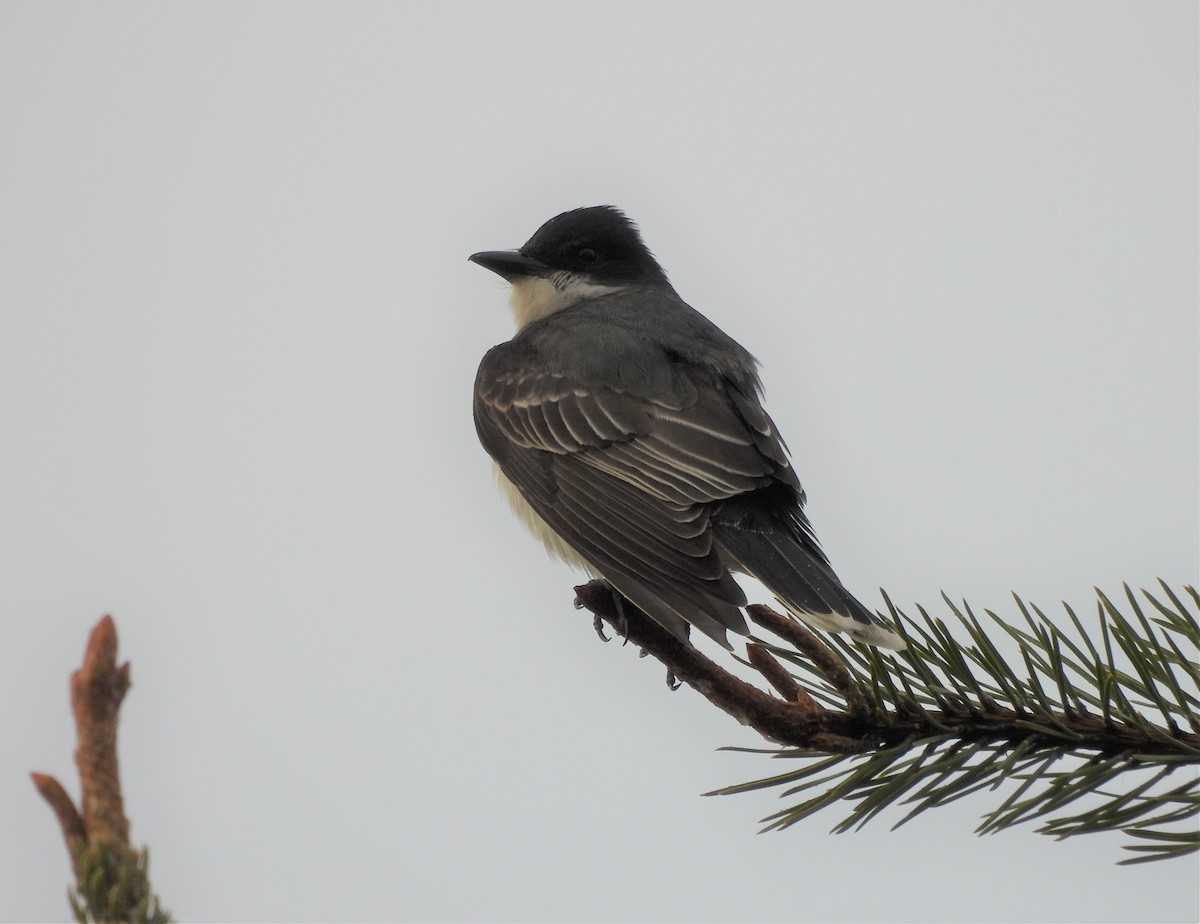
[(628, 434)]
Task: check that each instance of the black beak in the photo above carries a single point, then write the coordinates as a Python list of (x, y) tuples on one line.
[(511, 264)]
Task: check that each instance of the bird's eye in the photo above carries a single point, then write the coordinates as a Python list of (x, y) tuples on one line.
[(586, 255)]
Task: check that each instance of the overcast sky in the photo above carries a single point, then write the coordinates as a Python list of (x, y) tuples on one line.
[(238, 334)]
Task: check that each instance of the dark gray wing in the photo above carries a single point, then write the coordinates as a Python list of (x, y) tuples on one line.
[(628, 481)]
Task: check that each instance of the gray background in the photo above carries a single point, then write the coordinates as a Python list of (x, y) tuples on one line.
[(237, 339)]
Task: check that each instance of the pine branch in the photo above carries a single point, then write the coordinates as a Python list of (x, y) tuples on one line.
[(1089, 737), (111, 878)]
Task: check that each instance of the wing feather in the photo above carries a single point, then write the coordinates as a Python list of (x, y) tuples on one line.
[(534, 418), (627, 480), (576, 421)]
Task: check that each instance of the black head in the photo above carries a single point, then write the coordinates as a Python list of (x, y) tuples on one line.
[(598, 243)]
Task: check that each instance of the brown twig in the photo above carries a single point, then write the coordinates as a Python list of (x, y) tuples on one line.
[(776, 674), (69, 819), (97, 690), (772, 718), (830, 666), (862, 726), (110, 874)]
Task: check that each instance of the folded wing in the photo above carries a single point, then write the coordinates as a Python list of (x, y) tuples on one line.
[(630, 481)]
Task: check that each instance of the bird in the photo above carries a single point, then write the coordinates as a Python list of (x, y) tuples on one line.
[(628, 433)]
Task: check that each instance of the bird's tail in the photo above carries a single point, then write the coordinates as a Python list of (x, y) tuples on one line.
[(803, 582)]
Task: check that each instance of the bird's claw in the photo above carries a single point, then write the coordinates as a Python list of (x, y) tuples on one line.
[(621, 624), (598, 625)]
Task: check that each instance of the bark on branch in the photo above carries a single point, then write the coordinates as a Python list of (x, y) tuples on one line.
[(797, 720), (110, 875)]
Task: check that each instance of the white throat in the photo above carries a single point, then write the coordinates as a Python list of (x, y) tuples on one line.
[(533, 298)]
